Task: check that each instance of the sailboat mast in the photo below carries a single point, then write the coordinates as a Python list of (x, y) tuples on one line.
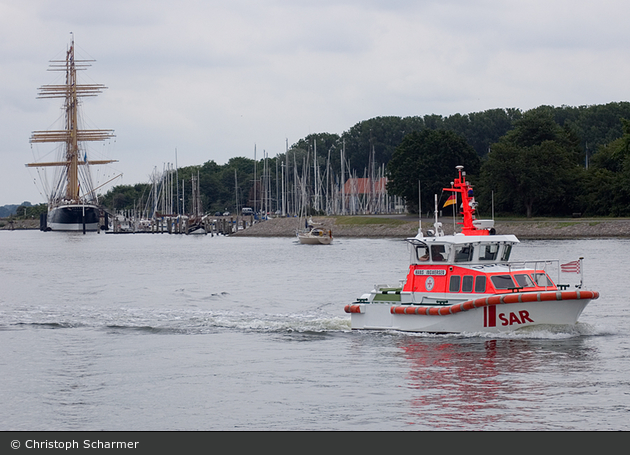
[(71, 135), (72, 152)]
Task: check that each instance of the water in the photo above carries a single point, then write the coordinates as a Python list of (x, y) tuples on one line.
[(171, 332)]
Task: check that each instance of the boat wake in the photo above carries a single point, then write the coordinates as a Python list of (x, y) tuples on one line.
[(188, 322)]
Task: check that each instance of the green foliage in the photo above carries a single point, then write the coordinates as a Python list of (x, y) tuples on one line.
[(30, 211), (127, 197), (367, 221), (536, 165), (595, 125), (606, 184), (428, 158), (532, 168), (378, 137)]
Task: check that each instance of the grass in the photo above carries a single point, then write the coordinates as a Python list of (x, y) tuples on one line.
[(565, 224), (367, 220)]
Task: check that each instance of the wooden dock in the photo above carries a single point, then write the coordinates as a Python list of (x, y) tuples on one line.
[(173, 224)]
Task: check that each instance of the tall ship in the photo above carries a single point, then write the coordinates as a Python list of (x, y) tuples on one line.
[(72, 201), (466, 282)]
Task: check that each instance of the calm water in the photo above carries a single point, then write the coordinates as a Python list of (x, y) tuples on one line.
[(171, 332)]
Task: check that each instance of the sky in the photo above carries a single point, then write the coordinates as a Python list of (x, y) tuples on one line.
[(192, 81)]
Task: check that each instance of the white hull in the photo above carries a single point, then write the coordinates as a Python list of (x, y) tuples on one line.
[(316, 236), (307, 239), (73, 227), (484, 315)]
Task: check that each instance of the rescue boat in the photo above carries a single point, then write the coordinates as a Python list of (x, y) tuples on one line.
[(465, 282)]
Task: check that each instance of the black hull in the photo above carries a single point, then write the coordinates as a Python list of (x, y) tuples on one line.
[(73, 218)]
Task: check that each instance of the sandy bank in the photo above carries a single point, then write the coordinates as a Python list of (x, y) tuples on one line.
[(404, 226), (7, 225)]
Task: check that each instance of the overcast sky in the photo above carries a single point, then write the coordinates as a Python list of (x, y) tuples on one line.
[(213, 79)]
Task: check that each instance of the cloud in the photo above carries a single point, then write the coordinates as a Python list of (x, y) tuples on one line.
[(214, 78)]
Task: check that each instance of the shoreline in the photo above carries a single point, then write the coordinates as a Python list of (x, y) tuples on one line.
[(403, 226), (18, 225)]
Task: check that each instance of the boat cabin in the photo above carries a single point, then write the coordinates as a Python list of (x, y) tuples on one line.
[(470, 265), (466, 250)]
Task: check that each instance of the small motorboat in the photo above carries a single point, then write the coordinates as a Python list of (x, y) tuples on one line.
[(314, 234), (465, 282)]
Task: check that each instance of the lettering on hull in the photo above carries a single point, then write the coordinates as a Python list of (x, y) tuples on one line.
[(490, 317)]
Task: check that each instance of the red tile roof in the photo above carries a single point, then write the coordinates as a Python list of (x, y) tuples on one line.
[(364, 185)]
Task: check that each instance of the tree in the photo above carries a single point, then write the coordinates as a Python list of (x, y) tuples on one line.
[(26, 210), (373, 141), (533, 168), (606, 188), (428, 157)]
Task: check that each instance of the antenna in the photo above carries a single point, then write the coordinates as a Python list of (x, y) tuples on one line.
[(419, 209)]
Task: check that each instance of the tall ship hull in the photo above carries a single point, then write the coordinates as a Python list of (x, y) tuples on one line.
[(72, 201), (74, 217)]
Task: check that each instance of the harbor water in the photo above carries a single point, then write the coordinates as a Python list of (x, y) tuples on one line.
[(175, 332)]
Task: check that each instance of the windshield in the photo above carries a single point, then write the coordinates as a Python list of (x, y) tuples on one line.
[(463, 253), (488, 252)]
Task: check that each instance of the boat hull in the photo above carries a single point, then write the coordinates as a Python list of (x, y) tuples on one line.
[(315, 240), (73, 218), (490, 314)]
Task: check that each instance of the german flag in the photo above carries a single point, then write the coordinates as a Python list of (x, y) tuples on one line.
[(451, 200)]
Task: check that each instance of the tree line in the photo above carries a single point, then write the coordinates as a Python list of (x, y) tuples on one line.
[(548, 161)]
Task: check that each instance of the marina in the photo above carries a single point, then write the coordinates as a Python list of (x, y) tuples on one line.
[(180, 224)]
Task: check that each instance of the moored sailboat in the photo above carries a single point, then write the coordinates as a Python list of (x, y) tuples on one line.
[(314, 234), (72, 201)]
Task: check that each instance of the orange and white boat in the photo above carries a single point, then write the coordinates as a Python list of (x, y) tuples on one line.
[(465, 282)]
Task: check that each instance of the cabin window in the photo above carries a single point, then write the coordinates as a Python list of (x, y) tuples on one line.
[(542, 279), (422, 253), (488, 252), (507, 249), (467, 283), (480, 283), (502, 282), (439, 253), (524, 281), (454, 283), (463, 253)]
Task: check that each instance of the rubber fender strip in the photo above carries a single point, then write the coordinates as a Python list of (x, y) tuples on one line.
[(355, 308), (504, 299)]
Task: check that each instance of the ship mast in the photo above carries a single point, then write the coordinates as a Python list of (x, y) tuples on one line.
[(71, 91), (461, 186)]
